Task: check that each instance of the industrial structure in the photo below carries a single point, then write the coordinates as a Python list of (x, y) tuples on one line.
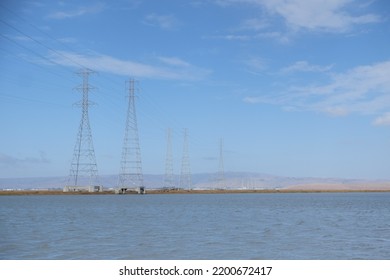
[(83, 189), (130, 176), (185, 175), (169, 177), (221, 183), (83, 171), (83, 176)]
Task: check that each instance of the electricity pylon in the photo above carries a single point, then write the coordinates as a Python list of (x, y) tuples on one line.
[(185, 175), (169, 178), (83, 167), (221, 173), (131, 166)]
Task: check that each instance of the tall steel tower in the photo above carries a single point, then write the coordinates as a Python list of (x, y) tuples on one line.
[(185, 175), (221, 173), (83, 169), (169, 178), (131, 166)]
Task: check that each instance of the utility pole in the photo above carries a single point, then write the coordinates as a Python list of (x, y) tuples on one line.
[(131, 166), (83, 167), (185, 175)]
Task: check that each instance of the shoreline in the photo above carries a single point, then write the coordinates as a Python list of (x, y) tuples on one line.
[(164, 191)]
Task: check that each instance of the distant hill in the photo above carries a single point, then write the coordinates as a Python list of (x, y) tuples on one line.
[(233, 180)]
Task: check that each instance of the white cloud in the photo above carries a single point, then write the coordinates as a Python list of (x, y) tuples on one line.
[(256, 63), (166, 22), (174, 61), (283, 38), (304, 66), (80, 11), (382, 120), (232, 37), (254, 100), (317, 14), (337, 111), (254, 24), (173, 68), (314, 15), (278, 36), (363, 90)]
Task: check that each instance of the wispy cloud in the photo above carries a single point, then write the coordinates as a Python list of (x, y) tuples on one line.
[(283, 38), (7, 161), (254, 24), (318, 15), (383, 119), (232, 37), (77, 12), (304, 66), (165, 68), (166, 22), (67, 40), (363, 90), (174, 61), (311, 15), (255, 63)]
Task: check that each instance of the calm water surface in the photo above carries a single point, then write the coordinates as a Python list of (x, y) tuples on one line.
[(221, 226)]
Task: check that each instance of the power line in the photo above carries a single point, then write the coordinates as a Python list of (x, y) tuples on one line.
[(34, 52), (43, 45), (61, 54), (71, 60)]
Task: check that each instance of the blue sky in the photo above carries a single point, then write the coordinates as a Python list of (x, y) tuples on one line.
[(294, 87)]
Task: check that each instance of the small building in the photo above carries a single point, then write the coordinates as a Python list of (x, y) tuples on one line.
[(141, 190), (83, 189), (123, 190)]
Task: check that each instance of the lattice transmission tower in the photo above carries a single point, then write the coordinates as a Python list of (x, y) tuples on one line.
[(83, 169), (221, 172), (169, 177), (131, 166), (185, 175)]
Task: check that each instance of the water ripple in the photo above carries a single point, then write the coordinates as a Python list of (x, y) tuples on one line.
[(231, 226)]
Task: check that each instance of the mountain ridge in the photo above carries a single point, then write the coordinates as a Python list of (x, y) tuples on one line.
[(233, 180)]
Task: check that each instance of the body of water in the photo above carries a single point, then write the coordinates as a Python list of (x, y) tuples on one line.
[(196, 226)]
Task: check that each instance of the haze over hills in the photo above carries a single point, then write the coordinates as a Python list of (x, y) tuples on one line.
[(233, 180)]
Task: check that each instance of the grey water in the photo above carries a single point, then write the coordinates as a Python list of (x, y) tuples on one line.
[(196, 226)]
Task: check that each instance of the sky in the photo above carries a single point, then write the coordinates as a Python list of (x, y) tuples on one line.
[(297, 88)]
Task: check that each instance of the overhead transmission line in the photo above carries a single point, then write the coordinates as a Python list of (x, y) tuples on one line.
[(75, 63)]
